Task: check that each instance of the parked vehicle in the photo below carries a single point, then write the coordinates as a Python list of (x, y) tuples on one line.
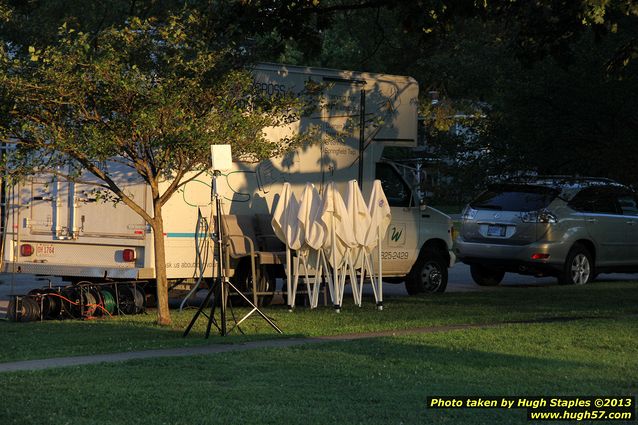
[(570, 228), (59, 228)]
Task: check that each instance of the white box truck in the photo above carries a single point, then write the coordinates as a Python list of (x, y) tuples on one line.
[(58, 227)]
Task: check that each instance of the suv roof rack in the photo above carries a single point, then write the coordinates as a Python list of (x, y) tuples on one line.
[(561, 180)]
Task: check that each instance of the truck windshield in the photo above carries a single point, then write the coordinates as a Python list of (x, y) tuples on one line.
[(396, 190), (510, 197)]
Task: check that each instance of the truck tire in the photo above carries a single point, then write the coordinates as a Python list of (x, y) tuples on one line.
[(578, 268), (244, 281), (428, 275), (486, 276)]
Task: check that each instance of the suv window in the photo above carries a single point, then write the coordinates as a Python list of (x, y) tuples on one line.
[(514, 197), (601, 200), (627, 204), (397, 192)]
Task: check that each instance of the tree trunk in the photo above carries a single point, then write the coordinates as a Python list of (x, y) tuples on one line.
[(163, 313)]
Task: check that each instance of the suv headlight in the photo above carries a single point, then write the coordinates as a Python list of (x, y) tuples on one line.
[(468, 213), (542, 216)]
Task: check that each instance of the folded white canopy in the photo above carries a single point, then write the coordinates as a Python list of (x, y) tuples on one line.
[(344, 232), (380, 215), (309, 217), (285, 224), (357, 211), (380, 218), (314, 232)]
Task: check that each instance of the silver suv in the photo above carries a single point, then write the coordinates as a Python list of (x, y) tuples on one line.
[(571, 228)]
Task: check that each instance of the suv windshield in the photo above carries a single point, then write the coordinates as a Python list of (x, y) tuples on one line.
[(510, 197)]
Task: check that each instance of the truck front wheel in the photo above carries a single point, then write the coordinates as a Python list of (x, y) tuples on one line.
[(428, 275)]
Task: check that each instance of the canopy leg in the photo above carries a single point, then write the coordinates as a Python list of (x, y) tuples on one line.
[(368, 265)]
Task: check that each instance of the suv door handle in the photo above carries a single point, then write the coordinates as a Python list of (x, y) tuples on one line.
[(591, 220), (630, 222)]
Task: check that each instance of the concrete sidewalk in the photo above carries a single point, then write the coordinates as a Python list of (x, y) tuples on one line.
[(147, 354), (215, 348)]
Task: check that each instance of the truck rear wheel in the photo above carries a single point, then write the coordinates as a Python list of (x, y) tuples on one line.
[(428, 275), (244, 281), (485, 276)]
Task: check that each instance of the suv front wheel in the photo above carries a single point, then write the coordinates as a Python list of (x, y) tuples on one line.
[(485, 276), (578, 268)]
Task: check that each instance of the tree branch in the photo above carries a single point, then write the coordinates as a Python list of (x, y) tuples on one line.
[(181, 171), (111, 185)]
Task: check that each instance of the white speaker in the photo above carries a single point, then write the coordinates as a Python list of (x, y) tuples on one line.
[(221, 157)]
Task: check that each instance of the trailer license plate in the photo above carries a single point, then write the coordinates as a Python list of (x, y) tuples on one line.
[(496, 230), (44, 250)]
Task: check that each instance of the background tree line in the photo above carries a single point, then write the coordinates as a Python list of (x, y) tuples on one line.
[(545, 86)]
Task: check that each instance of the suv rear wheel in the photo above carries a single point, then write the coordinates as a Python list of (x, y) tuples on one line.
[(578, 268), (485, 276)]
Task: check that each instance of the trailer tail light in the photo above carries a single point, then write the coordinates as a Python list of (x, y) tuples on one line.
[(26, 250), (128, 255), (540, 256)]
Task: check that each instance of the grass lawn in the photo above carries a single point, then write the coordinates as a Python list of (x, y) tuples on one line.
[(376, 381), (21, 341)]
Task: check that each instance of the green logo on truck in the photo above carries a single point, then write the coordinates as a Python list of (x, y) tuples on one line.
[(396, 234)]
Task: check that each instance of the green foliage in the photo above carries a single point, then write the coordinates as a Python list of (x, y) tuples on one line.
[(36, 22), (552, 118), (537, 86), (570, 119), (144, 100), (151, 93), (483, 59)]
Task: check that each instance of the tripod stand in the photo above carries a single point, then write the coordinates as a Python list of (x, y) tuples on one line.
[(220, 289)]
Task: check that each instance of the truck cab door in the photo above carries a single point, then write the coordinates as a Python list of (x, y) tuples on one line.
[(400, 247)]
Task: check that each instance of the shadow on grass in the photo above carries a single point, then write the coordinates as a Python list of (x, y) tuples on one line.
[(22, 341), (373, 381)]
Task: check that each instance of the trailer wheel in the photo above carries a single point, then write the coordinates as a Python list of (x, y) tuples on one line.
[(244, 281), (428, 275)]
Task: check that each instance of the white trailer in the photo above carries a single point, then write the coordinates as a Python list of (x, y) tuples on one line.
[(58, 227)]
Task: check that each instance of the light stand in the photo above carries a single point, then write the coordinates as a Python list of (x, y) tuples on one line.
[(217, 288), (222, 284)]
